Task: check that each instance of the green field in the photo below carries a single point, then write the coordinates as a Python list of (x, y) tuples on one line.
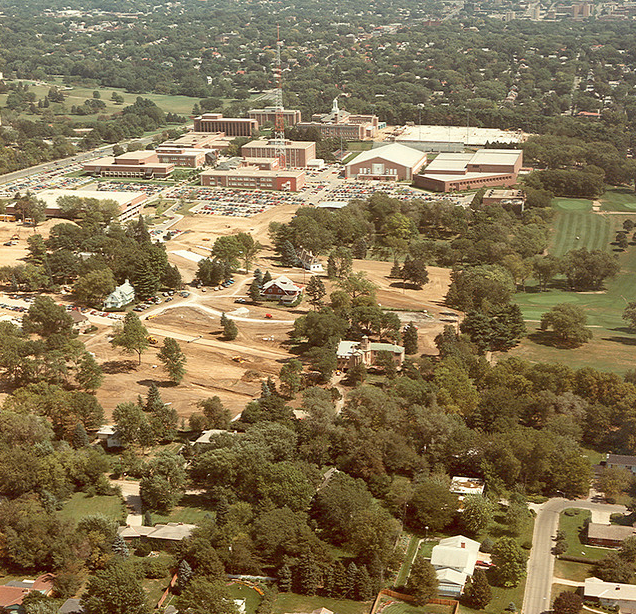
[(501, 597), (191, 510), (613, 347), (80, 505), (291, 602), (252, 598), (409, 555), (407, 608), (182, 105), (572, 526), (619, 199)]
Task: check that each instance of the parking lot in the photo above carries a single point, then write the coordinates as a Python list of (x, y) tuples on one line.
[(44, 181)]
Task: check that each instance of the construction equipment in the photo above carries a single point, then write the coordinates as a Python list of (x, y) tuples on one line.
[(152, 340), (239, 359)]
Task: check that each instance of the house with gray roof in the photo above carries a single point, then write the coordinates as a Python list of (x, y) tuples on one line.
[(454, 560), (351, 353), (121, 296)]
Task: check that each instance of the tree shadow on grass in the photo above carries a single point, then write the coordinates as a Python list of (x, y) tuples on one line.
[(621, 340), (156, 382), (548, 338), (113, 367)]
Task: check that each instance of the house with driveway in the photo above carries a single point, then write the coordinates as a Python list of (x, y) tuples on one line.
[(622, 597), (454, 560)]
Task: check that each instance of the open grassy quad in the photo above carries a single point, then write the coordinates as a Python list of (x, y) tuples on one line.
[(613, 346), (80, 505), (573, 525)]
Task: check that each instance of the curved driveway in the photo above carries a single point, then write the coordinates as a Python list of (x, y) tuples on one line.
[(536, 598)]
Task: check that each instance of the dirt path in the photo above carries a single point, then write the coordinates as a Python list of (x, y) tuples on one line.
[(130, 492)]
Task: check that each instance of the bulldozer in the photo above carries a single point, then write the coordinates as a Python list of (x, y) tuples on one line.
[(152, 340)]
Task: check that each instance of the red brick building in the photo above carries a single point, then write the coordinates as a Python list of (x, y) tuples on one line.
[(232, 126), (144, 164), (181, 156), (283, 289), (298, 153), (451, 172), (252, 178), (267, 115)]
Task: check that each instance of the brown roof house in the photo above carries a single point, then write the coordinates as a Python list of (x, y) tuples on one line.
[(608, 535), (283, 289)]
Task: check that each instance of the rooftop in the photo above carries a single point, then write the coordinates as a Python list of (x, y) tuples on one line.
[(50, 197), (469, 136), (609, 590), (399, 154), (609, 531)]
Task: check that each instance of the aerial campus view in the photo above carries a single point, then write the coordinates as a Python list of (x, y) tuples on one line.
[(317, 308)]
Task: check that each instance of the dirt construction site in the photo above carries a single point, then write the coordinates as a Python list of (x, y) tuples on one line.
[(231, 370)]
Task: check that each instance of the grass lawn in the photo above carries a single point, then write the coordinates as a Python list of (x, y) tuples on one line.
[(572, 571), (407, 608), (359, 145), (290, 602), (557, 589), (619, 199), (252, 598), (193, 509), (80, 505), (409, 555), (501, 597), (573, 525), (613, 347)]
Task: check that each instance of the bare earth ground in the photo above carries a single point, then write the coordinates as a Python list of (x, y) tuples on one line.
[(261, 343)]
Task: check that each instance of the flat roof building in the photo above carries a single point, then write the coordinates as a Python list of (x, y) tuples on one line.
[(267, 115), (252, 178), (451, 172), (196, 140), (144, 164), (130, 203), (181, 156), (342, 124), (389, 163), (298, 153), (231, 126), (453, 138)]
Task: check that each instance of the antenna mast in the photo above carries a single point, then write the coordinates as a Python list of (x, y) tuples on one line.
[(279, 125)]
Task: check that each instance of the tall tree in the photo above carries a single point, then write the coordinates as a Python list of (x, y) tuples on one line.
[(568, 323), (230, 330), (510, 561), (46, 318), (477, 592), (203, 597), (316, 291), (567, 602), (115, 590), (173, 359), (410, 339), (131, 336), (422, 582)]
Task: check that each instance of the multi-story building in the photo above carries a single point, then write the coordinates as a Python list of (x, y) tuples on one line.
[(465, 171), (254, 178), (297, 153), (145, 164), (181, 156), (389, 163), (342, 124), (232, 126), (268, 116)]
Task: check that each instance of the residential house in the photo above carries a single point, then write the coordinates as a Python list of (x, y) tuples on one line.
[(109, 435), (283, 289), (309, 262), (172, 531), (121, 296), (351, 353), (608, 535), (462, 486), (621, 461), (13, 592), (454, 560), (611, 595), (71, 606)]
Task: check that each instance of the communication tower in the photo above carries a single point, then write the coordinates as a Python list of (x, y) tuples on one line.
[(279, 123)]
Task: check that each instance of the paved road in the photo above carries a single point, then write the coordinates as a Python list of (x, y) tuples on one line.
[(541, 564), (130, 492)]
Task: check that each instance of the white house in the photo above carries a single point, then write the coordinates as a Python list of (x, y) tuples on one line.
[(122, 295), (611, 594), (309, 262), (454, 559), (110, 436)]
